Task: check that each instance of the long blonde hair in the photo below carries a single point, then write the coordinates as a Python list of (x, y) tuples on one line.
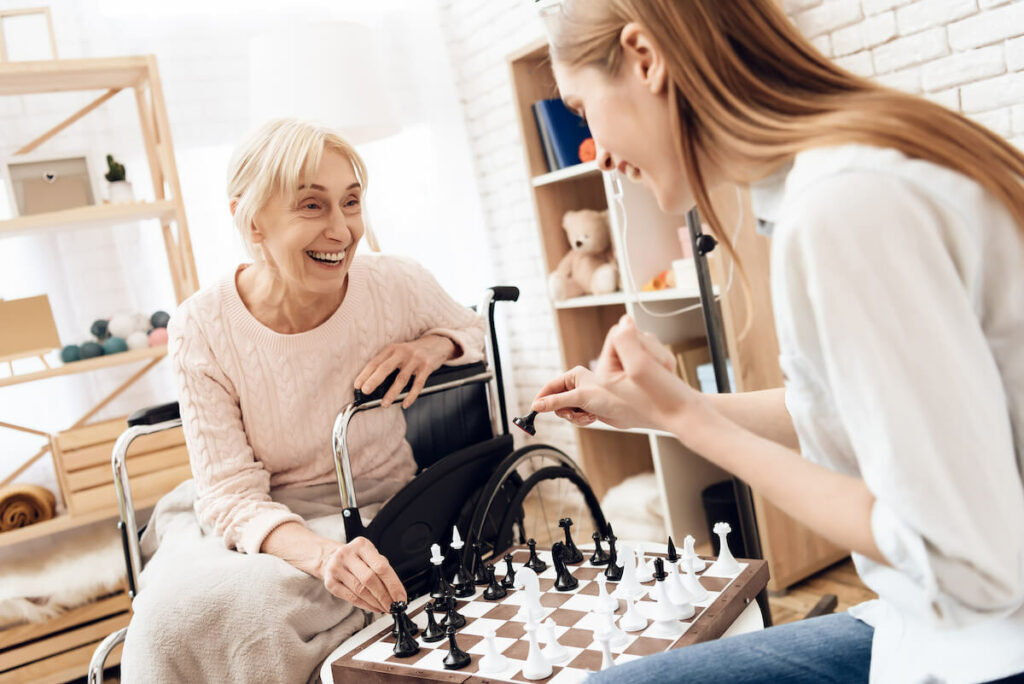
[(747, 90)]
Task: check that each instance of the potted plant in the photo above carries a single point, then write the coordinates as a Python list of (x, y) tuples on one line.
[(120, 190)]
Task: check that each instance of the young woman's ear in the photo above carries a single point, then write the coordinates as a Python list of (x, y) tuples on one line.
[(643, 57)]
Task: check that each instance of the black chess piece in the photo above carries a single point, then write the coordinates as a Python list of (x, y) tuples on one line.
[(509, 580), (432, 632), (572, 554), (405, 645), (456, 658), (494, 591), (659, 570), (526, 423), (439, 583), (671, 556), (452, 617), (613, 572), (479, 569), (410, 625), (534, 562), (564, 581), (600, 556), (462, 580)]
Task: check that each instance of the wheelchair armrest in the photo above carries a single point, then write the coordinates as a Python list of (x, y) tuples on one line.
[(155, 414), (441, 375)]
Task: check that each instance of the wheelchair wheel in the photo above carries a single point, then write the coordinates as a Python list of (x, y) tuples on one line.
[(529, 492)]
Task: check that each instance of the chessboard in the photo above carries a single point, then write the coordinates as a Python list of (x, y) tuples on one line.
[(575, 620)]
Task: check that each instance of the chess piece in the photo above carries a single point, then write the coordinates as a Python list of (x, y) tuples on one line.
[(531, 610), (432, 632), (479, 569), (690, 556), (644, 573), (456, 658), (534, 562), (692, 584), (462, 581), (405, 645), (677, 592), (606, 653), (628, 584), (632, 620), (526, 423), (605, 603), (438, 581), (409, 624), (572, 554), (554, 652), (494, 591), (665, 613), (725, 564), (662, 592), (607, 629), (564, 581), (671, 556), (600, 556), (452, 617), (614, 570), (536, 666), (508, 581), (493, 662)]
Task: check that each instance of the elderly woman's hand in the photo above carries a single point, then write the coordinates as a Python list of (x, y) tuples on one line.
[(418, 359), (358, 573)]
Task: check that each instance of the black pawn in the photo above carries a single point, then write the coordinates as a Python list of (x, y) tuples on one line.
[(671, 556), (564, 581), (405, 645), (462, 581), (456, 658), (453, 618), (432, 632), (659, 570), (534, 562), (572, 554), (494, 591), (600, 556), (479, 569), (613, 572), (526, 423), (509, 580)]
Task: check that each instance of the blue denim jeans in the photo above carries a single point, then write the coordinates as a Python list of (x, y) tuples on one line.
[(831, 648)]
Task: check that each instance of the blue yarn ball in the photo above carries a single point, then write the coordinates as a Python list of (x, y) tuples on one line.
[(90, 349), (114, 345), (70, 353), (159, 319), (99, 329)]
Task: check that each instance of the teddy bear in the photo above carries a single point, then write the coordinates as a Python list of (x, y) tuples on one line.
[(589, 266)]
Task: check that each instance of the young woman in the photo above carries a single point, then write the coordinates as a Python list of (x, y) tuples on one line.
[(898, 293), (250, 579)]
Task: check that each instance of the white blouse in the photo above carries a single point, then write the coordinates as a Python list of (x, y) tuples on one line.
[(898, 289)]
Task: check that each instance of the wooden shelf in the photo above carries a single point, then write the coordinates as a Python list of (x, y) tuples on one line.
[(59, 75), (569, 172), (95, 363), (95, 216), (623, 297), (598, 425)]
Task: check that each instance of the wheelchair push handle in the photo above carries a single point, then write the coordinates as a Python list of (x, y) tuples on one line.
[(505, 293)]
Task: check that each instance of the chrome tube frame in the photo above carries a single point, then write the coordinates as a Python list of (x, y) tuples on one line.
[(493, 403), (102, 652)]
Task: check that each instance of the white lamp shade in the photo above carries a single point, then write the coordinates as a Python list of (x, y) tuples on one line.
[(328, 73)]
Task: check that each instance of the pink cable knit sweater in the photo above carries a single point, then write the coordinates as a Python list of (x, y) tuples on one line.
[(258, 406)]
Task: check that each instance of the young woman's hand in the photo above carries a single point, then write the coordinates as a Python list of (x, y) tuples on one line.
[(634, 385), (418, 359), (358, 573)]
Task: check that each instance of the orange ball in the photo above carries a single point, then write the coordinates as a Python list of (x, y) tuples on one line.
[(588, 150), (158, 337)]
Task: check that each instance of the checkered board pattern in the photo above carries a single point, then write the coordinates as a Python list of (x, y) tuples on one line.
[(375, 661)]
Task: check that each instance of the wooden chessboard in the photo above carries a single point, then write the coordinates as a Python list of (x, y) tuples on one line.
[(373, 661)]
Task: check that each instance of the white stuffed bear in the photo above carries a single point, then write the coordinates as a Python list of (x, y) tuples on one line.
[(589, 266)]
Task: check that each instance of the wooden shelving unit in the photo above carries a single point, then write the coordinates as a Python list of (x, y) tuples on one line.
[(609, 455), (60, 649)]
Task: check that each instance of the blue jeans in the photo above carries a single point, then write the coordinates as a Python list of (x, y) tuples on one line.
[(831, 648)]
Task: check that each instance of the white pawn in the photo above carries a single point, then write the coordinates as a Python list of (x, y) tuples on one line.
[(643, 571), (693, 585), (726, 563), (605, 603), (606, 653), (628, 584), (492, 662), (690, 556), (632, 620), (616, 637), (537, 666), (555, 652), (677, 592)]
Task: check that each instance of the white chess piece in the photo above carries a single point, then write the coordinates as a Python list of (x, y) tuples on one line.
[(628, 585), (555, 652), (531, 610), (608, 629), (537, 666), (726, 563), (643, 572), (606, 653), (681, 611), (604, 601), (693, 585), (457, 542), (690, 556), (665, 614), (493, 662), (677, 592), (632, 620)]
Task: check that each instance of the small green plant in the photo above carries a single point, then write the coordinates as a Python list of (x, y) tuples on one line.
[(116, 172)]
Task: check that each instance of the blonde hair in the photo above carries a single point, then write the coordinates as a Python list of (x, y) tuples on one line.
[(748, 91), (280, 156)]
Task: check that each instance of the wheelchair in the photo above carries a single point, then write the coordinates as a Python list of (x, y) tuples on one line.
[(469, 475)]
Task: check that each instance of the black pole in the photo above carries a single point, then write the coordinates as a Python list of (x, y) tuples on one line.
[(702, 245)]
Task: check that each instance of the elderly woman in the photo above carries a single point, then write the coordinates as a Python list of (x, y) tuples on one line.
[(250, 578)]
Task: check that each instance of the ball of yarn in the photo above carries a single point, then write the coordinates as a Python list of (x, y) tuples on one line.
[(159, 319), (138, 340), (158, 337), (588, 150), (71, 353), (89, 350), (114, 345), (99, 329), (122, 325), (141, 323)]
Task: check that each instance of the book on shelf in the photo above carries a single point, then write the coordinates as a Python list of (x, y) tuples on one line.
[(564, 130)]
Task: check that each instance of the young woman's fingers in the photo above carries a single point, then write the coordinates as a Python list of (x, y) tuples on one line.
[(572, 399), (564, 382)]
